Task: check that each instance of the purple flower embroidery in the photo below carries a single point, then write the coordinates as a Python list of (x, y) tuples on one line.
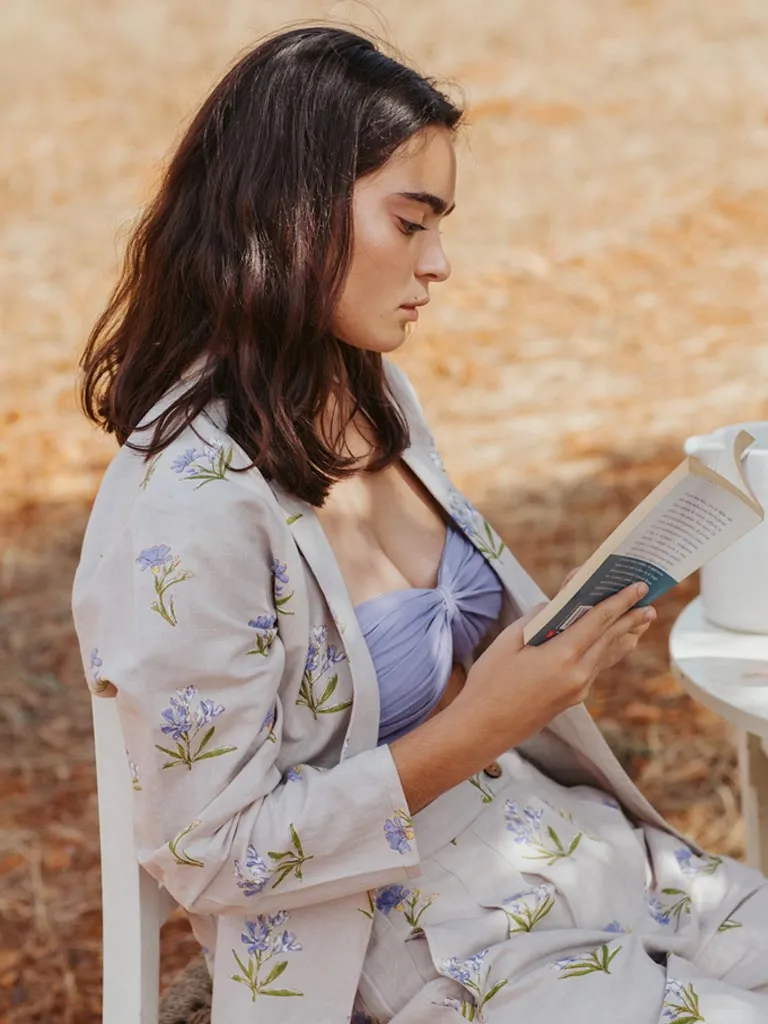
[(98, 685), (183, 724), (681, 1003), (134, 770), (263, 622), (177, 717), (280, 581), (474, 526), (280, 571), (205, 464), (524, 825), (614, 926), (464, 971), (399, 831), (657, 911), (258, 873), (317, 650), (156, 557), (293, 774), (265, 633), (527, 830), (391, 898), (207, 711), (265, 938), (526, 909), (474, 976), (167, 573), (691, 864), (183, 461), (269, 723), (321, 656)]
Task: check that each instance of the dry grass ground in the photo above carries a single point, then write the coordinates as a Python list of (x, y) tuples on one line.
[(610, 297)]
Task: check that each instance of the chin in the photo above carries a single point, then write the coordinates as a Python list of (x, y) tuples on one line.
[(382, 342)]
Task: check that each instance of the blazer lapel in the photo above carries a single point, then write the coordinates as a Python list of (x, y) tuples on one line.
[(521, 589), (363, 730)]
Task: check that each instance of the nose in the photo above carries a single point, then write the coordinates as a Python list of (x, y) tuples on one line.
[(433, 264)]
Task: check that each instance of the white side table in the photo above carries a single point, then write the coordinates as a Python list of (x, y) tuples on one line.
[(728, 673)]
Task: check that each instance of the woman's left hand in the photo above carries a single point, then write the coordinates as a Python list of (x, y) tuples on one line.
[(637, 631)]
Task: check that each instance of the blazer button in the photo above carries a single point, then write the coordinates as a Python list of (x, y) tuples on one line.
[(493, 770)]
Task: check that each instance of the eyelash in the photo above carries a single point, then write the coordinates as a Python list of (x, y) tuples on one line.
[(409, 228)]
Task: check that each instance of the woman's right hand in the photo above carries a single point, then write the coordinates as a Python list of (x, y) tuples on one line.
[(514, 690), (511, 692)]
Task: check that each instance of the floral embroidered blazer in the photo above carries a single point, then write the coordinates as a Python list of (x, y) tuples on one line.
[(210, 605)]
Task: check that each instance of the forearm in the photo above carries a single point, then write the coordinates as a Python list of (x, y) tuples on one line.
[(441, 753)]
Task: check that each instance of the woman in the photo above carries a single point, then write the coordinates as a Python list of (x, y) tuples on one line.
[(374, 801)]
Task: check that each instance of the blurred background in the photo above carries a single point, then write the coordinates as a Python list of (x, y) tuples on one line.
[(609, 297)]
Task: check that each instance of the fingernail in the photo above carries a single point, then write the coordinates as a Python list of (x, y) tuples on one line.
[(642, 589), (650, 614)]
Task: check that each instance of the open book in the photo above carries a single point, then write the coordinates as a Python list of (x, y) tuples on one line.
[(693, 515)]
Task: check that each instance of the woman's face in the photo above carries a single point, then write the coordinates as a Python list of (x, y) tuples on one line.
[(397, 250)]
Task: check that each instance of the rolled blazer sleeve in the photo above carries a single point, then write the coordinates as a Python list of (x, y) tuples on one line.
[(183, 610)]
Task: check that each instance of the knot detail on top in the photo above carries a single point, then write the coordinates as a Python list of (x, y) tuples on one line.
[(415, 635)]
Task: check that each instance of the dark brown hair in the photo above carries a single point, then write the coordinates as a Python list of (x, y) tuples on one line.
[(239, 261)]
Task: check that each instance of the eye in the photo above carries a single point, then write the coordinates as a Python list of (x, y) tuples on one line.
[(409, 227)]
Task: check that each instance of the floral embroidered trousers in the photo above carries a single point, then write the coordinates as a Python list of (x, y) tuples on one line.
[(541, 903)]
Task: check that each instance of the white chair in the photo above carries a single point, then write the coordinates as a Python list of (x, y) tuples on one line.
[(134, 905)]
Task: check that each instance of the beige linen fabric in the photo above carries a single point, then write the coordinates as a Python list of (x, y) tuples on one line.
[(208, 603), (549, 904)]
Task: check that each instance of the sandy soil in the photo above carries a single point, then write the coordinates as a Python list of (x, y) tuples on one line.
[(609, 297)]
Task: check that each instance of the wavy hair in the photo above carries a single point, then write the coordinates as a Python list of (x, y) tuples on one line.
[(238, 263)]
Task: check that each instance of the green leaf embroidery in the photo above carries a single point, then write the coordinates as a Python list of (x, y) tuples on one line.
[(308, 699), (679, 907), (205, 739), (557, 851), (494, 546), (371, 906), (258, 960), (578, 966), (167, 575), (486, 792), (179, 856), (413, 907), (526, 918), (149, 473), (276, 971), (218, 462), (681, 1004), (290, 862)]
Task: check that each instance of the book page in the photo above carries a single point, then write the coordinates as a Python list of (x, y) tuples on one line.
[(689, 526), (693, 516)]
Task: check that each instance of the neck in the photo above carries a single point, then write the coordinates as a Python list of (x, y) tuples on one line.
[(353, 434)]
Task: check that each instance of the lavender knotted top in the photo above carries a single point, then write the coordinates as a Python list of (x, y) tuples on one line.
[(416, 635)]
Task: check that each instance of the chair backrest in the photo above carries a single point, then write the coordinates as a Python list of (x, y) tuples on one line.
[(134, 905)]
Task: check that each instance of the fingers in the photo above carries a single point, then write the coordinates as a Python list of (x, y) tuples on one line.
[(569, 577), (523, 621), (621, 638), (591, 629)]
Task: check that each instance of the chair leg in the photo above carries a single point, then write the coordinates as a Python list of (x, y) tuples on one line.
[(133, 905), (753, 764)]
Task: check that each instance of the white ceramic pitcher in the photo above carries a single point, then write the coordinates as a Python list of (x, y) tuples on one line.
[(734, 585)]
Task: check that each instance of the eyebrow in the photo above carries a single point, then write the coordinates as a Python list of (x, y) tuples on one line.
[(435, 203)]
